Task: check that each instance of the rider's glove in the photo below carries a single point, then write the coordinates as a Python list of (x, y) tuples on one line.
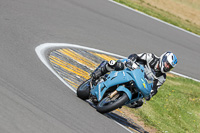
[(129, 63)]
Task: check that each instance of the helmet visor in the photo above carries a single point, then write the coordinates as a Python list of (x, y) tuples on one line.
[(166, 65)]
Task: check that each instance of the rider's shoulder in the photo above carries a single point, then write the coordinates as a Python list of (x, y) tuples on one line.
[(151, 55)]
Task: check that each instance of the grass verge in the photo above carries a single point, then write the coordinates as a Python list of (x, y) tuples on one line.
[(175, 109), (154, 11)]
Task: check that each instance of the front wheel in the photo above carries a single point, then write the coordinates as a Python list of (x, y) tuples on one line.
[(83, 90), (109, 104)]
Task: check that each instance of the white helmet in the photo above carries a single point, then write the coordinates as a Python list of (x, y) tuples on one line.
[(167, 61)]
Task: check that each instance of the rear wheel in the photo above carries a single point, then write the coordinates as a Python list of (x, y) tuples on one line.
[(83, 90), (109, 104)]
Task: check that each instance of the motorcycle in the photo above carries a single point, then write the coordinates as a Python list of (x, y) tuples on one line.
[(118, 88)]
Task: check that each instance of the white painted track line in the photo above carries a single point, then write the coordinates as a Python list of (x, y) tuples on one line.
[(43, 48), (154, 18)]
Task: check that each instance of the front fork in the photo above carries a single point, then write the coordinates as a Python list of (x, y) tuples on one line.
[(124, 89), (121, 88), (113, 94)]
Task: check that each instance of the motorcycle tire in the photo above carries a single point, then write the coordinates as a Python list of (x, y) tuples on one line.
[(83, 90), (106, 104)]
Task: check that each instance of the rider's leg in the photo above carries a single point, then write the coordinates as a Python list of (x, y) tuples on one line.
[(106, 67), (100, 70)]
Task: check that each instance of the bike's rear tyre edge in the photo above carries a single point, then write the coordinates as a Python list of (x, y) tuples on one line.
[(107, 108), (83, 90)]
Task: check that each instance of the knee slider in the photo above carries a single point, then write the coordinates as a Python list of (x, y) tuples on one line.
[(112, 63)]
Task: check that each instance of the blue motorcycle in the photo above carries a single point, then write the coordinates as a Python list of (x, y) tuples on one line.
[(118, 88)]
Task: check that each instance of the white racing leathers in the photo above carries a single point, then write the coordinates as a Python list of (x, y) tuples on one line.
[(152, 61), (148, 59)]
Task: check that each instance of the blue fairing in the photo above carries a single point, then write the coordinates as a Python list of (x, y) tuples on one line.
[(141, 82), (121, 77), (127, 91)]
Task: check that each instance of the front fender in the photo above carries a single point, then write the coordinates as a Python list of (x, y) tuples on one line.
[(127, 91)]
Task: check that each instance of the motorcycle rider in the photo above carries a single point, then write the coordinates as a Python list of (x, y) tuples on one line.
[(159, 66)]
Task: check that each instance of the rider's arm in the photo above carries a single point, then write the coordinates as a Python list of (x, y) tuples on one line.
[(143, 58), (157, 84)]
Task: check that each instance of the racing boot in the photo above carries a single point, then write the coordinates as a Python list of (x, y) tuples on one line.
[(99, 71), (104, 68)]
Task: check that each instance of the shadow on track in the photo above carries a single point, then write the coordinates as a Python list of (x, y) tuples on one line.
[(127, 122), (74, 66), (123, 120)]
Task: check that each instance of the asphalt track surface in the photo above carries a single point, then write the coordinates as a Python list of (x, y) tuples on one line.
[(32, 99)]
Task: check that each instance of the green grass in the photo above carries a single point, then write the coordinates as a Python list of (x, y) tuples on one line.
[(175, 108), (142, 6)]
